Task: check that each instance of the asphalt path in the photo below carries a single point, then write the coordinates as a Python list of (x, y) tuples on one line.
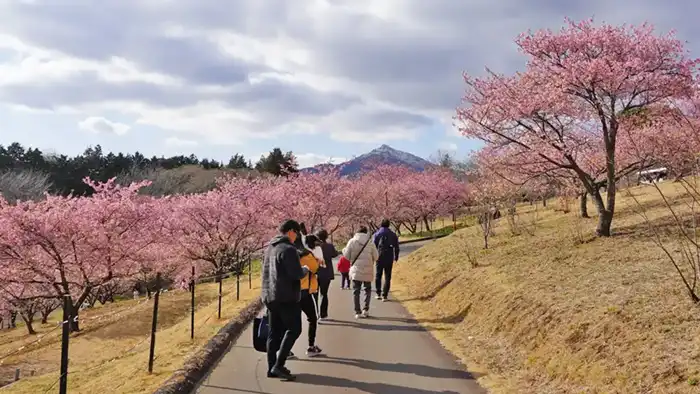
[(389, 353)]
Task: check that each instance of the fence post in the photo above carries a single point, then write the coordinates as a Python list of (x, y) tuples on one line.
[(192, 287), (16, 374), (154, 325), (238, 284), (250, 273), (220, 278), (65, 337)]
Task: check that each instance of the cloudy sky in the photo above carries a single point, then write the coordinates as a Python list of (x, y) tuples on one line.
[(323, 78)]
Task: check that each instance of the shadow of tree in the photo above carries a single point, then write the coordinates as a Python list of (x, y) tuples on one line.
[(454, 318), (433, 293), (373, 388), (383, 327), (412, 369)]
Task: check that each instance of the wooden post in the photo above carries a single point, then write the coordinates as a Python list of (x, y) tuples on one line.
[(65, 337), (192, 287), (154, 325), (221, 290), (238, 285)]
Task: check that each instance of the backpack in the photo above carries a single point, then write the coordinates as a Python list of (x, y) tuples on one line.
[(383, 246)]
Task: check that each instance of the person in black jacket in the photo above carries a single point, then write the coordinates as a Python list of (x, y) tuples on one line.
[(281, 293), (326, 274), (387, 244)]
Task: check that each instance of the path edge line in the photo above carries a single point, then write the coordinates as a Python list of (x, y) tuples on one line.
[(198, 366)]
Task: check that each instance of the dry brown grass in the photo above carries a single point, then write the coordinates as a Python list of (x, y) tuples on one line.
[(561, 311), (110, 355)]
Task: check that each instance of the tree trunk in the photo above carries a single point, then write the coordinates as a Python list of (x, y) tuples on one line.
[(427, 224), (544, 202), (583, 201), (604, 223), (28, 321), (13, 319), (74, 322)]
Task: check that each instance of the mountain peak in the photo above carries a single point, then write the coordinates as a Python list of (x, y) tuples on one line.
[(383, 155)]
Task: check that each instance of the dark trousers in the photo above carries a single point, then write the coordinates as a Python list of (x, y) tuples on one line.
[(284, 321), (356, 287), (323, 286), (308, 306), (383, 268), (344, 280)]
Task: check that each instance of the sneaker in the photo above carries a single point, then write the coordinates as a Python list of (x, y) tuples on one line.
[(281, 373), (314, 351), (379, 297), (385, 299), (358, 316), (291, 356), (365, 314)]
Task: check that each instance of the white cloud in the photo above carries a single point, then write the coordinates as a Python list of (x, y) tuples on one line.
[(99, 125), (449, 146), (356, 71), (179, 142), (311, 159)]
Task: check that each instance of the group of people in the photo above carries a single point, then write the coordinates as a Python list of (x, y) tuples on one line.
[(298, 266)]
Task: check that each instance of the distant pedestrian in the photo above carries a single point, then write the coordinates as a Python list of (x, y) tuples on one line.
[(362, 254), (281, 292), (309, 291), (344, 269), (387, 244), (325, 274)]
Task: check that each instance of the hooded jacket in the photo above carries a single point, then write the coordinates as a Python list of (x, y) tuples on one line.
[(281, 272), (363, 269)]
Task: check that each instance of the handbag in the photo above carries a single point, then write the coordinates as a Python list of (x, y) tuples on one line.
[(261, 330)]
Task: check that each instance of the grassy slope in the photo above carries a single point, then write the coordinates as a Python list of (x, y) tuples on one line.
[(112, 351), (551, 314)]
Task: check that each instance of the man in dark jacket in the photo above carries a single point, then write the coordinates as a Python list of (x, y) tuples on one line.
[(325, 274), (387, 244), (281, 292)]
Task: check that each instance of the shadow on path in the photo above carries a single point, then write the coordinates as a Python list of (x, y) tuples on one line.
[(233, 389), (373, 388), (413, 369), (378, 327)]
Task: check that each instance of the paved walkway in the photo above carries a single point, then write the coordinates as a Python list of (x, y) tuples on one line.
[(386, 354)]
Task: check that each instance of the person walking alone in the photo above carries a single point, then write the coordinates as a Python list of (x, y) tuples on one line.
[(387, 244), (325, 274), (362, 254), (281, 292)]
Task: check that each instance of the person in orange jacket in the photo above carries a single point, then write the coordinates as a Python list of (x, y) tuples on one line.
[(309, 290)]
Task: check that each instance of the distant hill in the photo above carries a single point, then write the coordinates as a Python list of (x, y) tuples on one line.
[(384, 155)]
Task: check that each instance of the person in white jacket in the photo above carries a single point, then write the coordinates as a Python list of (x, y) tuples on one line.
[(362, 254)]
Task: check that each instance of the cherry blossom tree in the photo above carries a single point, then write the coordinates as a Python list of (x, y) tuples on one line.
[(223, 227), (322, 199), (564, 111), (70, 246), (431, 193)]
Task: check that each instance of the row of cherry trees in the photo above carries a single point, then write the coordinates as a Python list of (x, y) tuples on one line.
[(91, 247), (593, 105)]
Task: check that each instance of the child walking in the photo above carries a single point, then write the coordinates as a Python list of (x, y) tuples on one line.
[(344, 269)]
